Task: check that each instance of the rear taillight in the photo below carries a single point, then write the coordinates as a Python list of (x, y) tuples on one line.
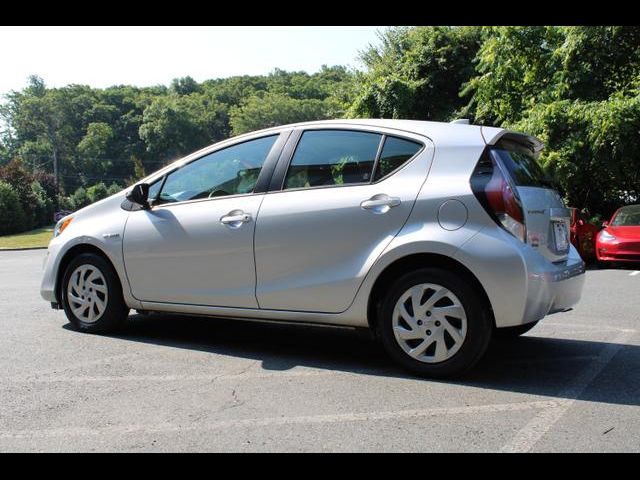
[(498, 196)]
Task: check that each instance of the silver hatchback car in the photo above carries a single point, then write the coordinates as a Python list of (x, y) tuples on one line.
[(433, 235)]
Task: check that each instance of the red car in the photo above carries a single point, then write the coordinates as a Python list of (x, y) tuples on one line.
[(619, 240), (583, 236)]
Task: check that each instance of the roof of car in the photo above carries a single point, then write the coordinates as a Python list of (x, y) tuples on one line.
[(438, 132), (441, 133), (632, 208)]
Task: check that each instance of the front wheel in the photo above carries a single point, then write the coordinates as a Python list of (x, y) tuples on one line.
[(92, 295), (434, 323)]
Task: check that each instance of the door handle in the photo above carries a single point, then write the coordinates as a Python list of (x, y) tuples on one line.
[(380, 203), (235, 218)]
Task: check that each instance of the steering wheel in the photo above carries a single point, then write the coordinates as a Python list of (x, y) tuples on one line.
[(218, 193)]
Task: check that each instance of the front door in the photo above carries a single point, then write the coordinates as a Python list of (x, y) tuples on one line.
[(195, 245)]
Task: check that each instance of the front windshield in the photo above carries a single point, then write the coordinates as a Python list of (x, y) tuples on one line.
[(627, 217)]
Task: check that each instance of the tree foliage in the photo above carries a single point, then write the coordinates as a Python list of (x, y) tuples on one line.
[(272, 109), (577, 88), (12, 216), (113, 134), (416, 73), (29, 203)]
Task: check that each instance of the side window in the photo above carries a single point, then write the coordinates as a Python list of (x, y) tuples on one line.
[(332, 157), (231, 171), (395, 153), (154, 189)]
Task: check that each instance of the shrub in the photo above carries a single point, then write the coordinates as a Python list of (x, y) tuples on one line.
[(79, 199), (97, 192), (43, 207), (65, 202), (113, 189), (12, 215), (48, 182), (20, 180)]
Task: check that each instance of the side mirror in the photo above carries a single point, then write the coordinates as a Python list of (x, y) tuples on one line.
[(139, 195)]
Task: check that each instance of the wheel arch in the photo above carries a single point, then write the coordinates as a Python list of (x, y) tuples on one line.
[(69, 255), (413, 262)]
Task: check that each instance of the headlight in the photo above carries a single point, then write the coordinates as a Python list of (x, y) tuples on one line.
[(606, 236), (61, 226)]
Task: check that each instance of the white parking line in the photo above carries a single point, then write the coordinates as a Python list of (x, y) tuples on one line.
[(535, 429), (276, 421), (633, 274), (169, 378), (587, 326)]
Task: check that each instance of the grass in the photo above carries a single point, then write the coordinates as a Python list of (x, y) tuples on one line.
[(39, 237)]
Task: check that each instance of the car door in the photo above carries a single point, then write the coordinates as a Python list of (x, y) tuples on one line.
[(195, 245), (344, 194)]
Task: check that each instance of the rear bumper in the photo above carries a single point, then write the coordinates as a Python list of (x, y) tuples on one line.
[(553, 288), (522, 285)]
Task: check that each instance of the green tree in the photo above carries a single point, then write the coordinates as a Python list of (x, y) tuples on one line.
[(416, 73), (93, 148), (185, 86), (270, 110), (43, 205), (12, 215), (15, 174), (517, 68), (138, 169), (176, 125), (598, 61), (591, 149)]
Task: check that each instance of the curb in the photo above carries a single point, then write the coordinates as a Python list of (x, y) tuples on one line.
[(21, 249)]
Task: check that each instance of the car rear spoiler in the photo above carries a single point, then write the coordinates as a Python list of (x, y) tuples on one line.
[(493, 135)]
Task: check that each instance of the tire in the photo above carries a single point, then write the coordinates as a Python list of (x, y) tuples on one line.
[(103, 308), (473, 339), (514, 332), (605, 264)]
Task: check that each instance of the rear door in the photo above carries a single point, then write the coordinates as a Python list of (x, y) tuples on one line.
[(547, 219), (342, 196)]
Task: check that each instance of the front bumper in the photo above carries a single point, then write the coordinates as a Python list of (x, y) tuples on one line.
[(50, 267), (618, 251)]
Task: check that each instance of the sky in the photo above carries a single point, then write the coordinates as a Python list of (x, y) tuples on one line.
[(143, 56)]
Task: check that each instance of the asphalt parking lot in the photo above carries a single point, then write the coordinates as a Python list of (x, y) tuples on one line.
[(172, 383)]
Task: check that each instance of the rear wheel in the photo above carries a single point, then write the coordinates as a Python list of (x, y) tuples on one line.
[(514, 332), (92, 295), (433, 323)]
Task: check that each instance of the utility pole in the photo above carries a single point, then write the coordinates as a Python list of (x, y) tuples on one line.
[(55, 166)]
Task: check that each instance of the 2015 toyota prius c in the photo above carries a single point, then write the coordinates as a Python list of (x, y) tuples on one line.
[(431, 234)]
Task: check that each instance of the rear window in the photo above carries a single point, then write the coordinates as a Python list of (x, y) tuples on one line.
[(523, 167), (395, 153)]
